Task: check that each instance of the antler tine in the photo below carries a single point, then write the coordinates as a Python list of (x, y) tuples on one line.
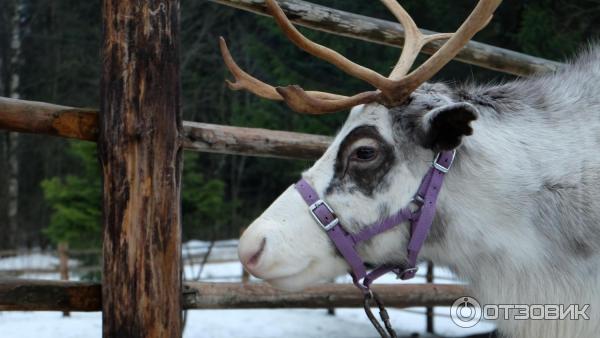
[(390, 91), (244, 80), (414, 40), (303, 102), (479, 18), (311, 102), (398, 86), (368, 75)]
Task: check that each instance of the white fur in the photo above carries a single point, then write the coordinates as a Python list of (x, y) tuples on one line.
[(533, 148)]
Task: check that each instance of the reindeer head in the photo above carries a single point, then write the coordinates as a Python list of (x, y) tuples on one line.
[(374, 165)]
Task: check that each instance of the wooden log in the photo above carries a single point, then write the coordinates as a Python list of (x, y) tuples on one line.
[(139, 146), (23, 271), (245, 273), (392, 34), (260, 295), (49, 119), (253, 141), (46, 295), (43, 295), (74, 270)]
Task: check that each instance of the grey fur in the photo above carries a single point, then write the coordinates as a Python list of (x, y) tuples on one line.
[(562, 111), (532, 160), (518, 217), (529, 174)]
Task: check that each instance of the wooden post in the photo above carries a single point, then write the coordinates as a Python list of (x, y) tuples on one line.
[(331, 309), (245, 274), (140, 151), (429, 312), (63, 258)]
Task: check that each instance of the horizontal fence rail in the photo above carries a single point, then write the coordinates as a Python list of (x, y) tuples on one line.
[(43, 295), (95, 251), (199, 295), (50, 119), (392, 34)]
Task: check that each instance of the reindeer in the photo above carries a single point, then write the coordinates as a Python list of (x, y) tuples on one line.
[(518, 214)]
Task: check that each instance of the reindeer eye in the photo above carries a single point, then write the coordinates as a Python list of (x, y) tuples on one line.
[(364, 154)]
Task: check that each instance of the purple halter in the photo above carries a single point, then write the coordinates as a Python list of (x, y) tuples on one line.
[(421, 220)]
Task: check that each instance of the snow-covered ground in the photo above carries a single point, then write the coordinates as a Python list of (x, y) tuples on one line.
[(298, 323), (33, 260), (267, 323)]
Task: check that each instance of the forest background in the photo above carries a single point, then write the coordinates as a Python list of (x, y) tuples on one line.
[(50, 188)]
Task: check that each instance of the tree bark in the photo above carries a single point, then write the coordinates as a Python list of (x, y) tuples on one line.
[(13, 138), (5, 241), (140, 152), (2, 67)]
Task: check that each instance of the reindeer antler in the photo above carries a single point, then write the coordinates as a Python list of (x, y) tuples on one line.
[(311, 102), (392, 90)]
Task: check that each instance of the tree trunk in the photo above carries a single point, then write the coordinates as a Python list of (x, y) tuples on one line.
[(13, 138), (4, 241), (140, 150), (2, 67)]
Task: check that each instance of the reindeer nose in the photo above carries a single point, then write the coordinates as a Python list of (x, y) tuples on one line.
[(250, 252)]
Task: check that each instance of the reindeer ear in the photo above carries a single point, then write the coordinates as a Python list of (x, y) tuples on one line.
[(445, 126)]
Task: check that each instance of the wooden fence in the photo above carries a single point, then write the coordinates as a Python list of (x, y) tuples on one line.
[(140, 136), (191, 257), (43, 295), (390, 33), (77, 123)]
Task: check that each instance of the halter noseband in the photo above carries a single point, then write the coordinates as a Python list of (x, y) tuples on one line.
[(425, 199)]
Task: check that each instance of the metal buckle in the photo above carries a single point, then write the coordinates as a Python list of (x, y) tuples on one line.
[(314, 207), (402, 273), (440, 167), (418, 200)]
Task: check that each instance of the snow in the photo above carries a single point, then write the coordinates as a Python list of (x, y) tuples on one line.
[(33, 260), (50, 325), (263, 323), (347, 323), (226, 249)]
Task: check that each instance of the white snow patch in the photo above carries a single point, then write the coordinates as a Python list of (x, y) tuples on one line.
[(34, 260)]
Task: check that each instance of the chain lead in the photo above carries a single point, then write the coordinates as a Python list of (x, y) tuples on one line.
[(388, 332)]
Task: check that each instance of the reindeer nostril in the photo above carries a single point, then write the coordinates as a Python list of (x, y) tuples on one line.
[(256, 257)]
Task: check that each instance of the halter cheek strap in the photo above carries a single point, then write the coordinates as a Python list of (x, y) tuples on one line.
[(420, 220)]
